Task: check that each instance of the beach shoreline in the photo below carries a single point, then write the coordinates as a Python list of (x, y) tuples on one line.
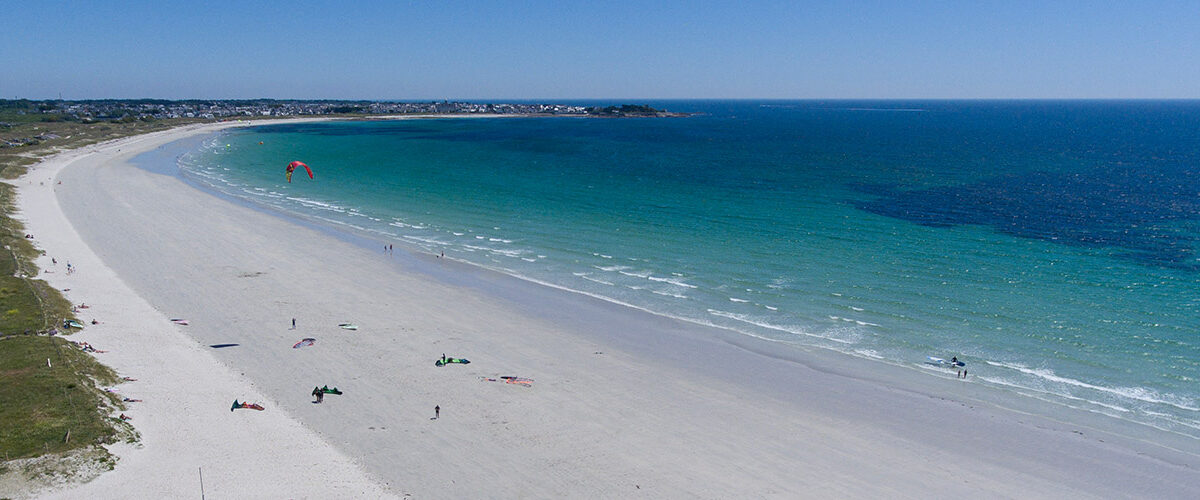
[(622, 402)]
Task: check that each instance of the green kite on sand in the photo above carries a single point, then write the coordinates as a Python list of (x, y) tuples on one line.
[(326, 390), (445, 361)]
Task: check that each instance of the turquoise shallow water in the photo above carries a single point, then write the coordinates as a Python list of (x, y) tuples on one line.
[(1049, 244)]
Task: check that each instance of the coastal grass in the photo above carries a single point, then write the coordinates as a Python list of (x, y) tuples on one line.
[(50, 389), (39, 139), (27, 305), (51, 400)]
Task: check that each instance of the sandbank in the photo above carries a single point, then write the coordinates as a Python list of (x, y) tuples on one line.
[(623, 403)]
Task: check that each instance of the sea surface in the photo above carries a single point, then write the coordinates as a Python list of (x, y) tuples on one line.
[(1051, 245)]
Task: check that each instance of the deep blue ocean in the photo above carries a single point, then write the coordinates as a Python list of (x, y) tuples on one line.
[(1051, 245)]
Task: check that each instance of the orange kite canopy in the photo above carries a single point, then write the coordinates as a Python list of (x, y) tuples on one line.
[(292, 166)]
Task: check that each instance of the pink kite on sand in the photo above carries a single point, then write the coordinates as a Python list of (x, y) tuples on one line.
[(179, 321), (304, 343)]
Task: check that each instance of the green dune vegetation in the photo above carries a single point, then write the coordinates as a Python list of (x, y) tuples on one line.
[(54, 406)]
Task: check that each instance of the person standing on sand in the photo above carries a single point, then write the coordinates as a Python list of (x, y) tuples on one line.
[(318, 394), (293, 323), (437, 412)]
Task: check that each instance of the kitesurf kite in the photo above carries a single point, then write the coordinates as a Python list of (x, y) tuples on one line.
[(509, 379), (304, 343), (518, 380), (445, 361), (249, 406), (292, 166), (326, 390)]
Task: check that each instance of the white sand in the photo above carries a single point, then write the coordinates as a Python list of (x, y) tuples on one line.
[(624, 404)]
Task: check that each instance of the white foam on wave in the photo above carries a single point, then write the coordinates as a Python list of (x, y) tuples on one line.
[(405, 225), (668, 294), (855, 321), (869, 353), (420, 239), (1136, 393), (672, 281), (735, 299), (611, 268), (515, 253), (588, 276), (771, 326), (316, 204), (1016, 385)]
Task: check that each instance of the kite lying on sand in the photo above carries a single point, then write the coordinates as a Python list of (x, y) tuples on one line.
[(348, 326), (326, 390), (70, 323), (509, 379), (303, 343), (445, 361), (179, 321), (249, 406)]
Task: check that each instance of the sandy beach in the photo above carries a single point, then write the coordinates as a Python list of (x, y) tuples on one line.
[(621, 403)]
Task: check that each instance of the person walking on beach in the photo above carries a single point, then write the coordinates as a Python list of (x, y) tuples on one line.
[(437, 412), (293, 323)]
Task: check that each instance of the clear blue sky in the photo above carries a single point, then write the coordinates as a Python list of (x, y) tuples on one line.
[(491, 49)]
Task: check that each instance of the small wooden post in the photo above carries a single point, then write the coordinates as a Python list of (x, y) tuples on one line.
[(68, 438)]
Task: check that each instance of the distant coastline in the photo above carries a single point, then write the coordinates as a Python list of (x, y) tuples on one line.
[(130, 110)]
